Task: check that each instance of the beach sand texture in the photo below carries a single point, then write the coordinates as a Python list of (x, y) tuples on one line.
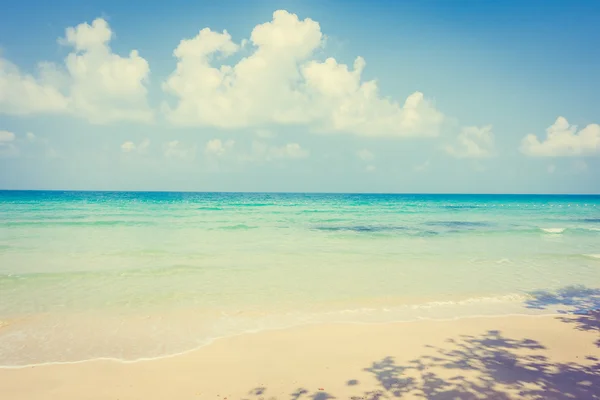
[(528, 357)]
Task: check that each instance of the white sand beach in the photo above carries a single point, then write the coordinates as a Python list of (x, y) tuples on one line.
[(501, 358)]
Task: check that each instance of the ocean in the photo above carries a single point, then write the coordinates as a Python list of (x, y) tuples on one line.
[(133, 275)]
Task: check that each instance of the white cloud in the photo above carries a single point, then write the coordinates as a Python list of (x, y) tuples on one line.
[(94, 83), (105, 87), (22, 94), (365, 155), (551, 168), (371, 168), (259, 152), (262, 152), (176, 150), (27, 145), (279, 83), (563, 140), (473, 142), (129, 146), (218, 148), (6, 137), (290, 150), (8, 147)]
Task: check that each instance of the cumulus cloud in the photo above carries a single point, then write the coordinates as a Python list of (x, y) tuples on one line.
[(280, 82), (365, 155), (258, 152), (27, 145), (563, 140), (473, 142), (290, 150), (22, 94), (7, 145), (371, 168), (129, 146), (262, 152), (105, 87), (216, 147), (6, 137), (94, 83)]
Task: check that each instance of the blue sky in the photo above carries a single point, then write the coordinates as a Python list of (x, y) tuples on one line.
[(336, 96)]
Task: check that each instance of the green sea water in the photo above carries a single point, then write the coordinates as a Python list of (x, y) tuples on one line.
[(88, 275)]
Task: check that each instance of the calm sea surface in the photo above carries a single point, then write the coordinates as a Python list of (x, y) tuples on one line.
[(138, 275)]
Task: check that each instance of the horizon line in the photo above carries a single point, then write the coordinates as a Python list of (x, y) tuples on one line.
[(299, 192)]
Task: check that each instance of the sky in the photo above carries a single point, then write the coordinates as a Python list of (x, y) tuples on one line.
[(301, 96)]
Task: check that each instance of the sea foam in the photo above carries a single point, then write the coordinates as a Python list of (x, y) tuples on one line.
[(553, 230)]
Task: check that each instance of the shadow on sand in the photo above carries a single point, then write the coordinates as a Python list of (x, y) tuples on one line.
[(580, 301), (570, 299), (487, 366)]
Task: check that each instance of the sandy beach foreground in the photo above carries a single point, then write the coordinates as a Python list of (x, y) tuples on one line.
[(493, 358)]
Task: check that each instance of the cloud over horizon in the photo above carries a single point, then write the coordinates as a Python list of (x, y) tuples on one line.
[(473, 142), (280, 82), (362, 103), (94, 83), (563, 140)]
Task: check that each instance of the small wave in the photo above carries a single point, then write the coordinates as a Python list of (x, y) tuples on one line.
[(427, 233), (591, 220), (46, 223), (460, 224), (175, 269), (460, 207), (241, 227), (362, 228), (322, 220), (211, 340), (254, 204), (553, 230), (595, 256), (474, 307)]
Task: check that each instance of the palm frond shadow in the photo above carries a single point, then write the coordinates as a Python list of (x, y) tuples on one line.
[(488, 366), (581, 301)]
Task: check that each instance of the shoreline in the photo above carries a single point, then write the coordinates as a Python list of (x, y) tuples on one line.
[(211, 341), (511, 356)]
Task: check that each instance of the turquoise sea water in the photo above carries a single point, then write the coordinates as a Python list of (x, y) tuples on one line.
[(138, 275)]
